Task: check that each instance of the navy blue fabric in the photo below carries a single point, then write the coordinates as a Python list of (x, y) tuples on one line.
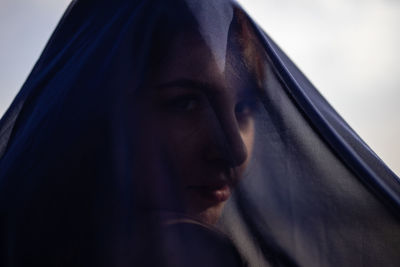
[(314, 193), (335, 131)]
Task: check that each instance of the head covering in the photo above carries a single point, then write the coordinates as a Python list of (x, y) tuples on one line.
[(92, 157)]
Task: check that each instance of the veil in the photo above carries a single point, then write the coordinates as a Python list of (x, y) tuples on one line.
[(93, 159)]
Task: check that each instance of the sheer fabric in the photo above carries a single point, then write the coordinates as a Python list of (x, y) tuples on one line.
[(177, 133)]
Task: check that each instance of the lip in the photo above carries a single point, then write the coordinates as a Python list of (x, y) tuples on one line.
[(212, 194)]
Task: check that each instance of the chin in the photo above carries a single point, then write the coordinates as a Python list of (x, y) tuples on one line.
[(209, 215)]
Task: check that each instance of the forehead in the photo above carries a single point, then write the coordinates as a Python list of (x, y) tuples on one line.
[(189, 58)]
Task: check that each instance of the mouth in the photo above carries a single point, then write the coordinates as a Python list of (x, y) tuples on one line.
[(212, 194)]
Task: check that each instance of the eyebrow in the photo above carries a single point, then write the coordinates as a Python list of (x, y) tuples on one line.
[(189, 83)]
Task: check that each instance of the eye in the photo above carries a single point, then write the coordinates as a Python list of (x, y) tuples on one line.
[(184, 103)]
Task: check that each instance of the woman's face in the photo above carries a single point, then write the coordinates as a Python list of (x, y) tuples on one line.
[(196, 131)]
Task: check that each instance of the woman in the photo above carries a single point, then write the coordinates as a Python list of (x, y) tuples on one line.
[(153, 133)]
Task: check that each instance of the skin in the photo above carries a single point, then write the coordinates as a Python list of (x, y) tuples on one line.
[(197, 133)]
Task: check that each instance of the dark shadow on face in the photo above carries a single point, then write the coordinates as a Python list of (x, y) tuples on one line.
[(196, 128)]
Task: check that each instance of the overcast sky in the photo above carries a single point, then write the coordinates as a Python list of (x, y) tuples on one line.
[(348, 49)]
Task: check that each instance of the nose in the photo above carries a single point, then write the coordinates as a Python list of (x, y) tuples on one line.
[(228, 146)]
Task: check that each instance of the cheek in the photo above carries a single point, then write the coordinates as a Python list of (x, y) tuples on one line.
[(168, 144), (152, 173), (182, 148)]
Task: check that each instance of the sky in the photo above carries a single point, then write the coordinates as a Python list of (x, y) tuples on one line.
[(347, 48)]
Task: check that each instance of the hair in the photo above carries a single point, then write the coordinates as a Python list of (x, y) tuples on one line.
[(253, 55)]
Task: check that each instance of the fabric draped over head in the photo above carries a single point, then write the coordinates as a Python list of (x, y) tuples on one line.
[(71, 143)]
